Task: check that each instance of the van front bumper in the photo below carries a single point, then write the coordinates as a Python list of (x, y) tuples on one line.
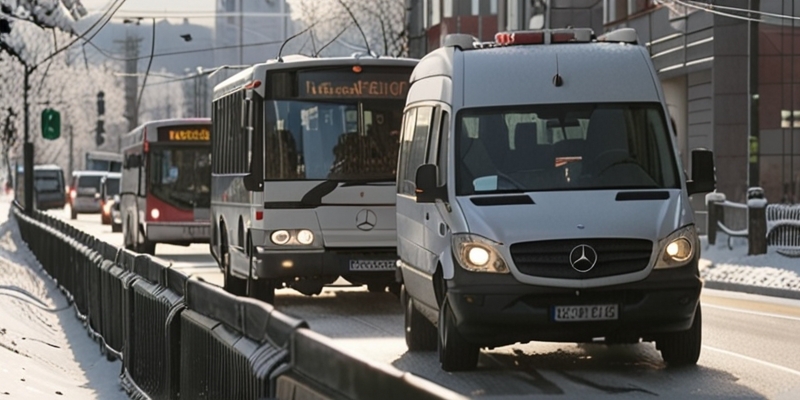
[(364, 265), (506, 312)]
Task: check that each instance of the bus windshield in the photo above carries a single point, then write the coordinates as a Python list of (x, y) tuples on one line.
[(181, 175), (347, 140)]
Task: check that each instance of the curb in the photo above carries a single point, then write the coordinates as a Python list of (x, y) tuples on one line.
[(760, 290)]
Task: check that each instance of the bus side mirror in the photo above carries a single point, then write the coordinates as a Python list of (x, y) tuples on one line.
[(427, 189), (703, 174), (254, 180)]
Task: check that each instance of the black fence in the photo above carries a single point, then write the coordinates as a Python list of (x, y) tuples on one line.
[(179, 337)]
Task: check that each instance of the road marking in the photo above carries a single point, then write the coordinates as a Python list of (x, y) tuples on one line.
[(743, 311), (755, 360)]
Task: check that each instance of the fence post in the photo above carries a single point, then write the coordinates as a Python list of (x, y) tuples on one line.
[(756, 221), (715, 212)]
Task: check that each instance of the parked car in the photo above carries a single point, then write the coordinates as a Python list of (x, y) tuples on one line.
[(109, 188), (84, 193), (48, 186)]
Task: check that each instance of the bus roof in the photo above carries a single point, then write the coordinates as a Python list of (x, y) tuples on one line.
[(104, 155), (244, 77), (136, 136)]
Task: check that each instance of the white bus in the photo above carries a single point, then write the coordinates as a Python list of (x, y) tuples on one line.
[(303, 169), (103, 161)]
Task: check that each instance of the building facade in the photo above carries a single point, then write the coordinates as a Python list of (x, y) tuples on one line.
[(731, 77)]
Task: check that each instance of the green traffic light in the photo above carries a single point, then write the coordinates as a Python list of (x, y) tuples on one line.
[(51, 124)]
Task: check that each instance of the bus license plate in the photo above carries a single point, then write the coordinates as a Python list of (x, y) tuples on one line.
[(603, 312), (196, 230), (372, 265)]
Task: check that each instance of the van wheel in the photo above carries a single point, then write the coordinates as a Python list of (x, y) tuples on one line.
[(455, 352), (682, 348), (420, 333)]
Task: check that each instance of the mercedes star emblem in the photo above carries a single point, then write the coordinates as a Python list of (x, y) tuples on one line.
[(366, 220), (583, 258)]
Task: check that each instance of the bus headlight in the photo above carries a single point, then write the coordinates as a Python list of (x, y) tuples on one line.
[(678, 248), (478, 254), (154, 213), (305, 237), (280, 237)]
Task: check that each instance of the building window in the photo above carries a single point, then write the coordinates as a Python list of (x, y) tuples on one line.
[(476, 7), (448, 8), (493, 7), (512, 15), (434, 12), (790, 118)]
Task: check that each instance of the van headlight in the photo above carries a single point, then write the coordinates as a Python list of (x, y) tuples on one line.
[(678, 248), (478, 254)]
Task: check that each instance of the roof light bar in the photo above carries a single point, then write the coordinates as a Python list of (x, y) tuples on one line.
[(544, 36)]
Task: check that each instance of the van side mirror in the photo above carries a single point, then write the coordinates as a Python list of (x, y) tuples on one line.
[(703, 174), (427, 189)]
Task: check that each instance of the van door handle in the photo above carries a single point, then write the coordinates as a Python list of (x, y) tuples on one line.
[(427, 216)]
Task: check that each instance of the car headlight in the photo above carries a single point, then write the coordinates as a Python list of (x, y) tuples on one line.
[(280, 237), (678, 248), (477, 254)]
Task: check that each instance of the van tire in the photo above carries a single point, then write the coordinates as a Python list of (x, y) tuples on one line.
[(682, 348), (420, 333), (455, 352)]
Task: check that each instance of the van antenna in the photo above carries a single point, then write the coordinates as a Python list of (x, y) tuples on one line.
[(558, 81), (353, 17), (292, 37)]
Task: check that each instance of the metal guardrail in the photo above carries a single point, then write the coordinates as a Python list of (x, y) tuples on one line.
[(181, 338), (779, 223)]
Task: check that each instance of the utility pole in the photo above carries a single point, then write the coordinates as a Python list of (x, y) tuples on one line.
[(71, 151), (27, 147), (131, 46)]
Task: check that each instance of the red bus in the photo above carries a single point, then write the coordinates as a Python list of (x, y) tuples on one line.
[(166, 184)]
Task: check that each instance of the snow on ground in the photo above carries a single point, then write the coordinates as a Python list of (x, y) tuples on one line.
[(45, 352), (724, 264)]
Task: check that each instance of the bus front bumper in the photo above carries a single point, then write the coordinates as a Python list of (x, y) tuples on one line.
[(178, 232), (282, 264)]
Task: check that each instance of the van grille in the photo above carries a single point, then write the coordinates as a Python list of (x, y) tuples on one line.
[(550, 258)]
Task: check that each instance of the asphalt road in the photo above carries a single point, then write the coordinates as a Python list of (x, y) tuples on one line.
[(751, 345)]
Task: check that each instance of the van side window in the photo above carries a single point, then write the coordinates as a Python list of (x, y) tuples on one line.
[(416, 134), (441, 158)]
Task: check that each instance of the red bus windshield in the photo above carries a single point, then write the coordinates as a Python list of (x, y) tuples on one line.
[(180, 175)]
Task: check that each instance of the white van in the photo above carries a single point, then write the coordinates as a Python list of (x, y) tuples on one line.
[(541, 197)]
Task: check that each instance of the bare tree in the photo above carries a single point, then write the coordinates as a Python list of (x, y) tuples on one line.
[(379, 26)]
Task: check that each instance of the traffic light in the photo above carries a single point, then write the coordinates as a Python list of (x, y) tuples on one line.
[(101, 103), (51, 124), (98, 133)]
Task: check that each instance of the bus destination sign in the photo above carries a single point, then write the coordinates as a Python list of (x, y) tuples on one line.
[(350, 85), (184, 134)]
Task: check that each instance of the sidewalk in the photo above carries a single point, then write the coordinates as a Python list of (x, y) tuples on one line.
[(45, 352), (770, 274)]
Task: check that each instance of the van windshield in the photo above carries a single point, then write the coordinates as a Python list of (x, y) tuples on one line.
[(564, 147), (48, 181)]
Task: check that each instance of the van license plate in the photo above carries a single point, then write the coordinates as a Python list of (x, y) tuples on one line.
[(196, 230), (372, 265), (603, 312)]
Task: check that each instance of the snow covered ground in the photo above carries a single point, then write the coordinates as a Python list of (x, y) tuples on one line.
[(45, 352), (725, 265)]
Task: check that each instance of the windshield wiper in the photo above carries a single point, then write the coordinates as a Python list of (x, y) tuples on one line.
[(368, 183)]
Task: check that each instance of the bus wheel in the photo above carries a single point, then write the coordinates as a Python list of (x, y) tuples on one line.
[(261, 289), (147, 247), (232, 284)]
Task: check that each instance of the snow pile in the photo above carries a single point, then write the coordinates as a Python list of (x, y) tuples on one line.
[(728, 265), (45, 352)]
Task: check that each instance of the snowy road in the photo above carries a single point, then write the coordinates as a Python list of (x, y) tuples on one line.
[(751, 345)]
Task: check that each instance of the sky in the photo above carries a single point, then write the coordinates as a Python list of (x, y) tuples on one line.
[(199, 10)]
